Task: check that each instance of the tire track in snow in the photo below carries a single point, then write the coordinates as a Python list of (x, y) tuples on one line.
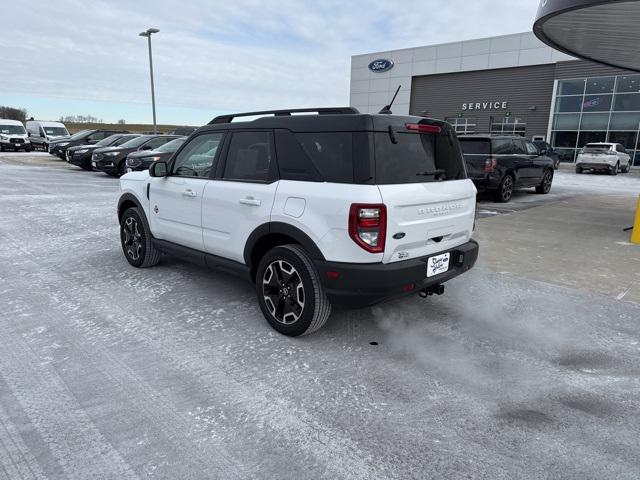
[(82, 452), (335, 452)]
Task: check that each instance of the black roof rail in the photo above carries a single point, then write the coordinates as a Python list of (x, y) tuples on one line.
[(285, 113)]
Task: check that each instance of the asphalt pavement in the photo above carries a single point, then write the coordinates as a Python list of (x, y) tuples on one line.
[(111, 372)]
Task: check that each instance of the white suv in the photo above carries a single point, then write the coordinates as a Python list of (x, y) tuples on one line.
[(333, 208), (603, 157)]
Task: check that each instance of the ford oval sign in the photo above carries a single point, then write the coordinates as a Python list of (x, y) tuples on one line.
[(381, 65)]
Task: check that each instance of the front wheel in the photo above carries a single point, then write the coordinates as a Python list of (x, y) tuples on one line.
[(290, 293), (505, 189), (135, 238), (547, 180)]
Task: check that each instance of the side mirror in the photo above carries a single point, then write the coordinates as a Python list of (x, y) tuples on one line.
[(29, 134), (159, 169)]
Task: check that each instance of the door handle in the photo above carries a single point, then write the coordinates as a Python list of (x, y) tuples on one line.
[(189, 193), (253, 202)]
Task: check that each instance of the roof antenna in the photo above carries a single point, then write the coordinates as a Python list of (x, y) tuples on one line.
[(387, 109)]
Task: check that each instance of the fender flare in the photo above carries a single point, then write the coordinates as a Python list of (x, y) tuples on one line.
[(285, 229), (129, 197)]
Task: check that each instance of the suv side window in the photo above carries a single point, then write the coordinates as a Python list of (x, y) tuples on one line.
[(503, 146), (620, 148), (197, 157), (156, 142), (531, 148), (249, 156), (519, 147), (96, 136)]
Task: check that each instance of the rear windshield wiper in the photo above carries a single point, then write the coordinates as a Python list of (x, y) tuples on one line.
[(438, 174)]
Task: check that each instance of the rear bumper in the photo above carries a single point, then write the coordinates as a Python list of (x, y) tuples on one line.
[(360, 285), (595, 166), (488, 182)]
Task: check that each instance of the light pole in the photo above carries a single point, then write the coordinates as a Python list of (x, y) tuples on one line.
[(147, 34)]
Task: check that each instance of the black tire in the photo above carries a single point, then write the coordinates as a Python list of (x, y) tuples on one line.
[(28, 149), (545, 184), (505, 189), (614, 170), (135, 238), (122, 168), (578, 170), (286, 277), (627, 168)]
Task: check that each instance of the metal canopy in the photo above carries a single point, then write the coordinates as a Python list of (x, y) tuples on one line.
[(606, 32)]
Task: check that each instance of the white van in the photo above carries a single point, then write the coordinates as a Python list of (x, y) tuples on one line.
[(42, 133), (13, 136)]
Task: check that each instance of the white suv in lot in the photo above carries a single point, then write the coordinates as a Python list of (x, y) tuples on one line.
[(603, 157), (315, 206)]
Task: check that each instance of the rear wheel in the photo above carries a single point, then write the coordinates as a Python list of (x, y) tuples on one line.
[(547, 180), (614, 170), (135, 238), (505, 189), (290, 293), (578, 170)]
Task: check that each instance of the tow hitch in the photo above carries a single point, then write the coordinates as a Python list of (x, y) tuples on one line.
[(432, 290)]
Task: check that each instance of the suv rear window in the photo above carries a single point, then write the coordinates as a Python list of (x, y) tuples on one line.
[(415, 157), (475, 146), (594, 148)]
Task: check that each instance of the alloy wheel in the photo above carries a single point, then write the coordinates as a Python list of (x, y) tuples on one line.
[(132, 238), (507, 188), (283, 292), (546, 181)]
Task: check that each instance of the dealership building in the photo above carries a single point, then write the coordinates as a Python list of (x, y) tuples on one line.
[(512, 84)]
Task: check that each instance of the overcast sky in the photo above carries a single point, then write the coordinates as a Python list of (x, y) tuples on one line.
[(84, 57)]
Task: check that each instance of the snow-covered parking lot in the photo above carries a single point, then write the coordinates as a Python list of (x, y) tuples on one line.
[(171, 372)]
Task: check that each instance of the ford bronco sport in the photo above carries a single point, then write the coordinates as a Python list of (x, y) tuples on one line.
[(335, 207)]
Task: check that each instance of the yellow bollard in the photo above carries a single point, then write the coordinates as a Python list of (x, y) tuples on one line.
[(635, 234)]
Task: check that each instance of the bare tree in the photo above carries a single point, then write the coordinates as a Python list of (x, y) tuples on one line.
[(11, 113)]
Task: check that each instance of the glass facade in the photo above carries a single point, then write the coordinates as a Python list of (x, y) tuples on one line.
[(597, 109)]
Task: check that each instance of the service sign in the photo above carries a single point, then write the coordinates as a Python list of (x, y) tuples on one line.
[(381, 65), (493, 105)]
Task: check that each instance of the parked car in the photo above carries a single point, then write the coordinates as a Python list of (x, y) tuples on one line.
[(83, 137), (549, 151), (42, 133), (81, 155), (603, 157), (141, 160), (13, 136), (112, 160), (502, 163), (334, 208)]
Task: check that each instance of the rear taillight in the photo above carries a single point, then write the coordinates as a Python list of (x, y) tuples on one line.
[(490, 165), (423, 128), (368, 226)]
